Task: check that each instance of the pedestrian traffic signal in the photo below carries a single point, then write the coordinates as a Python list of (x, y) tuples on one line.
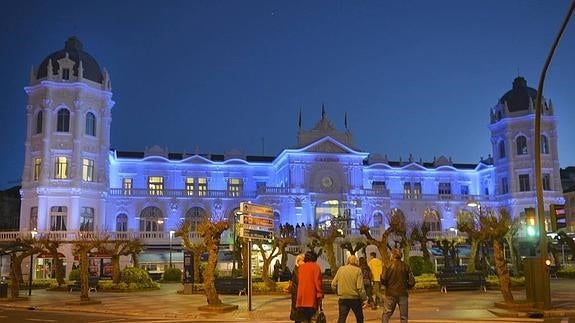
[(531, 222), (558, 218)]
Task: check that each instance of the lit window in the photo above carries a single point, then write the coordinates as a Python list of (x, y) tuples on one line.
[(63, 121), (37, 169), (406, 190), (417, 190), (87, 170), (202, 186), (190, 186), (234, 187), (61, 168), (156, 185), (151, 220), (431, 220), (90, 124), (127, 186), (378, 187)]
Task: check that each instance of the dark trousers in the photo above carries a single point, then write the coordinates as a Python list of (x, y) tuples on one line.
[(353, 304)]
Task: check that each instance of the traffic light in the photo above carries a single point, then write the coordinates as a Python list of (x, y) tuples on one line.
[(531, 222), (558, 218)]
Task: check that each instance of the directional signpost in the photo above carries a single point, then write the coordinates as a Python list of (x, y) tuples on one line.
[(256, 222)]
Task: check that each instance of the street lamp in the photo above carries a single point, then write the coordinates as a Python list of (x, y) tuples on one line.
[(171, 237)]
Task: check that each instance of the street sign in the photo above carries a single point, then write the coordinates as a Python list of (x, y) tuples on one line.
[(255, 209), (249, 220), (256, 234)]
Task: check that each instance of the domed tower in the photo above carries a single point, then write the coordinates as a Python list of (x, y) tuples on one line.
[(513, 139), (65, 176)]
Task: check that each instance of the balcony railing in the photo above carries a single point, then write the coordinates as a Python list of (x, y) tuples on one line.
[(143, 192), (160, 237)]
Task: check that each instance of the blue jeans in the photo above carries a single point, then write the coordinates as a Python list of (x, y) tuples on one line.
[(389, 308)]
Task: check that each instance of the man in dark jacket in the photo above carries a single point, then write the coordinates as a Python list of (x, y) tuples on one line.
[(396, 278)]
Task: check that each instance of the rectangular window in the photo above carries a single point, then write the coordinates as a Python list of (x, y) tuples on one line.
[(127, 186), (156, 185), (202, 186), (444, 189), (87, 219), (61, 168), (464, 190), (546, 179), (37, 169), (407, 190), (34, 218), (504, 185), (190, 186), (235, 186), (417, 190), (524, 183), (58, 218), (87, 170)]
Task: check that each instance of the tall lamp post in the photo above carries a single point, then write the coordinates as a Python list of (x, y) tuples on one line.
[(33, 233), (542, 285), (171, 237)]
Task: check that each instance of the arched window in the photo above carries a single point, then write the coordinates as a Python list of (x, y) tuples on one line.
[(521, 145), (90, 124), (195, 216), (151, 220), (58, 218), (501, 149), (544, 144), (39, 119), (377, 219), (63, 121), (431, 219), (122, 222)]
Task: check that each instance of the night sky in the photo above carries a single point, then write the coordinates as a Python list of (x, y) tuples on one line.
[(415, 77)]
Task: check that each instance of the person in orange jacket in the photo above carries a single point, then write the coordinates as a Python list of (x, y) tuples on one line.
[(309, 287)]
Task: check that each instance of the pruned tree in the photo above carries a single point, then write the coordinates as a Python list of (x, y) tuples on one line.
[(117, 248), (397, 227), (569, 241), (469, 223), (194, 246), (326, 239), (286, 231), (353, 244), (419, 234), (86, 243), (52, 246), (211, 232), (20, 250), (494, 227)]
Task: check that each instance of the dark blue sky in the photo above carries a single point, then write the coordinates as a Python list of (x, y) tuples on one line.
[(414, 77)]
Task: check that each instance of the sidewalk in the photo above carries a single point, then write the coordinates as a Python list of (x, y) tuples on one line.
[(426, 306)]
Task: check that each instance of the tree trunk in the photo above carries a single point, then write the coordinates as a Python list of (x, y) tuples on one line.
[(209, 277), (472, 256), (15, 274), (502, 272), (265, 274), (330, 254), (84, 275), (116, 272), (197, 256)]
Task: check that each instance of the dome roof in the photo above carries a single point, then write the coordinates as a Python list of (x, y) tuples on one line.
[(75, 50), (520, 96)]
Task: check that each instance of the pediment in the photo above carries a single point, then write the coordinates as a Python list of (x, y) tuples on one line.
[(327, 145)]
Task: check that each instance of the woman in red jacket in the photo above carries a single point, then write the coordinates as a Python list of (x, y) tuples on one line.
[(309, 290)]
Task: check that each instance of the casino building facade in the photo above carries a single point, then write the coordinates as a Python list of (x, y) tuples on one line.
[(72, 181)]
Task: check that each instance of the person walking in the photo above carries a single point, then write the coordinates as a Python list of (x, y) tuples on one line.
[(397, 279), (295, 314), (376, 267), (348, 284), (309, 287), (367, 280)]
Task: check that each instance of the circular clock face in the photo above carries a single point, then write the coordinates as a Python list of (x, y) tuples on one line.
[(326, 182)]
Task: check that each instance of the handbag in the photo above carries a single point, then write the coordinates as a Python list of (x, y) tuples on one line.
[(320, 315)]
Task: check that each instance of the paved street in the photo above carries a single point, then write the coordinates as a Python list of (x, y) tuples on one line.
[(167, 303)]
